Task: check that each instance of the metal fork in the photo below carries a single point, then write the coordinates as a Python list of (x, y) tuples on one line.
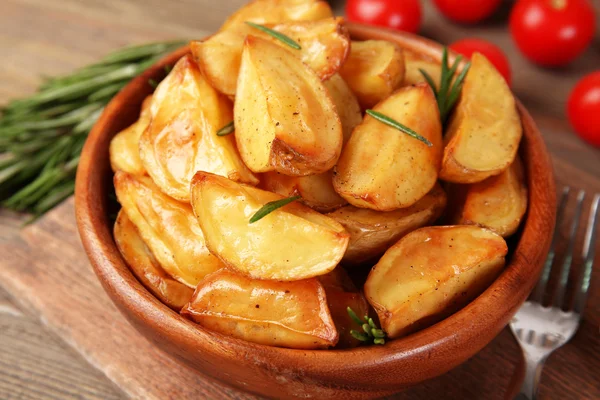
[(541, 330)]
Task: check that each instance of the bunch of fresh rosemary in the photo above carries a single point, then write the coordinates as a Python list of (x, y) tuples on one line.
[(41, 137)]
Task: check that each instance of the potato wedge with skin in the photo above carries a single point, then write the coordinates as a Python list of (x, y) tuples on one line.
[(431, 273), (384, 169), (168, 227), (291, 243), (346, 104), (498, 203), (277, 11), (325, 46), (146, 268), (374, 69), (484, 131), (316, 190), (285, 120), (373, 232), (181, 139), (414, 63), (125, 146), (283, 314)]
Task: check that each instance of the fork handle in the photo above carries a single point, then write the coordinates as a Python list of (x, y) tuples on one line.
[(528, 376)]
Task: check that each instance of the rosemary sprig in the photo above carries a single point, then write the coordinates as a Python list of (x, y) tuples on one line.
[(397, 125), (41, 136), (226, 130), (370, 330), (277, 35), (270, 207), (448, 92)]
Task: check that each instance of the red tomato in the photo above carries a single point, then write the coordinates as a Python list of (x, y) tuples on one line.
[(552, 32), (583, 108), (404, 15), (467, 11), (492, 52)]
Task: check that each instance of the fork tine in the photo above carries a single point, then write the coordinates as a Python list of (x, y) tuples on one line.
[(540, 288), (559, 295), (589, 249)]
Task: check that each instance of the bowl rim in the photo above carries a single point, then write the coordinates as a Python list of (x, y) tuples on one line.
[(434, 348)]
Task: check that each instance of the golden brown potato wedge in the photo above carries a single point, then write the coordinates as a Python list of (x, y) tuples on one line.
[(181, 139), (384, 169), (346, 104), (291, 243), (414, 63), (341, 294), (374, 69), (497, 203), (168, 227), (373, 232), (277, 11), (283, 314), (484, 132), (125, 146), (431, 273), (146, 268), (325, 46), (285, 120), (316, 190)]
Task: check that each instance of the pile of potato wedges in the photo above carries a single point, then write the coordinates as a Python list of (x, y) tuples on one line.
[(426, 222)]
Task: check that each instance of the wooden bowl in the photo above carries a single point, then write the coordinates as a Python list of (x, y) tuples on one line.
[(364, 372)]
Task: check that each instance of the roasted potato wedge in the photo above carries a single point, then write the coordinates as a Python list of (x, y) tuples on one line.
[(384, 169), (431, 273), (291, 243), (346, 104), (341, 294), (277, 11), (414, 63), (285, 120), (498, 203), (373, 232), (125, 146), (181, 139), (484, 131), (168, 227), (283, 314), (374, 69), (316, 190), (325, 46), (146, 268)]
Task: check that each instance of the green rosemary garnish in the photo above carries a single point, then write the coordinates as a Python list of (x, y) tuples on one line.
[(226, 130), (370, 331), (41, 136), (277, 35), (270, 207), (448, 93), (397, 125)]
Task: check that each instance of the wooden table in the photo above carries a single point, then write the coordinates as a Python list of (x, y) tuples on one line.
[(41, 37)]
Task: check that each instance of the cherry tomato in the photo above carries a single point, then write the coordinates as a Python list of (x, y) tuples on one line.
[(467, 11), (492, 52), (404, 15), (583, 108), (552, 32)]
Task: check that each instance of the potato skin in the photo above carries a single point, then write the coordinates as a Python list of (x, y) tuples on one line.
[(374, 69), (373, 232), (431, 273), (282, 314), (346, 104), (384, 169), (146, 268), (497, 203), (485, 129), (291, 243), (168, 227)]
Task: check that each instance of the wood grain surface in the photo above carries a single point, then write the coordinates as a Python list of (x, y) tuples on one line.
[(37, 360)]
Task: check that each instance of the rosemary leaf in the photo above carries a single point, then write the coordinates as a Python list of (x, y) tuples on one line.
[(372, 333), (277, 35), (353, 315), (226, 130), (270, 207), (359, 336), (397, 125)]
